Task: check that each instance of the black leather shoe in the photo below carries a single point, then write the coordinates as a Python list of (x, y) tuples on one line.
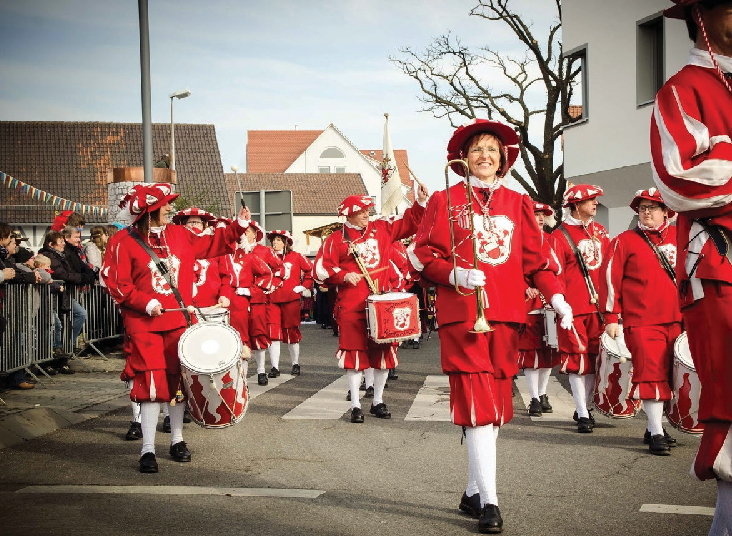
[(589, 412), (135, 432), (584, 425), (179, 452), (65, 370), (369, 392), (362, 387), (166, 425), (50, 371), (379, 411), (659, 446), (670, 440), (392, 375), (148, 463), (405, 344), (470, 505), (273, 373), (546, 407), (415, 345), (490, 521), (262, 379), (534, 408), (348, 395), (356, 415), (295, 370)]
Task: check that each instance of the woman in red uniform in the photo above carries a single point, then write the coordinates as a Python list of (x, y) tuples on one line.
[(284, 308), (142, 292), (536, 358), (509, 248)]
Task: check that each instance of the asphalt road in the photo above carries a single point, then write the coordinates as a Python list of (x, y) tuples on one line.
[(272, 475)]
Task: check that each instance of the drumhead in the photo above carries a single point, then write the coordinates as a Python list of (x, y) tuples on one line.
[(390, 296), (615, 347), (682, 353), (212, 312), (207, 348)]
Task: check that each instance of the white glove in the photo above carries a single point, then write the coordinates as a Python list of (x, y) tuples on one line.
[(563, 310), (306, 293), (612, 330), (243, 291), (468, 279), (299, 289)]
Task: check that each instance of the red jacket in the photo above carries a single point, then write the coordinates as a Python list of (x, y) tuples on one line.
[(334, 259), (593, 243), (297, 270), (633, 283), (134, 281), (514, 249)]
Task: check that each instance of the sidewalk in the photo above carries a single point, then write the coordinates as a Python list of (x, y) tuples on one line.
[(63, 400)]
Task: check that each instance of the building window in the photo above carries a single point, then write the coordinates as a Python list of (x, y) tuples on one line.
[(649, 59), (323, 169), (576, 104), (332, 152), (340, 169)]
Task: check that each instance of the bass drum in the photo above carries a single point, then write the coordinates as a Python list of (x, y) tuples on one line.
[(613, 379), (214, 374), (683, 409)]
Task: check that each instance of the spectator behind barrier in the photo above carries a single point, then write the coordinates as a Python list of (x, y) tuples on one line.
[(94, 247)]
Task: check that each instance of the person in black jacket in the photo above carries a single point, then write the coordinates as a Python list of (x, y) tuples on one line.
[(67, 266)]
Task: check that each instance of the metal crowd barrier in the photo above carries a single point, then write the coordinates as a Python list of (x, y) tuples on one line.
[(31, 313)]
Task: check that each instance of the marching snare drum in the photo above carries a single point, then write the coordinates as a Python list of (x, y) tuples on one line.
[(392, 317), (551, 339), (214, 374), (683, 409), (212, 314), (613, 379)]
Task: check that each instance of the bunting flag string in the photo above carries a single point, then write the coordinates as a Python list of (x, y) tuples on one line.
[(56, 201)]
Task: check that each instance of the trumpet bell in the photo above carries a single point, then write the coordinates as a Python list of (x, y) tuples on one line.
[(481, 326)]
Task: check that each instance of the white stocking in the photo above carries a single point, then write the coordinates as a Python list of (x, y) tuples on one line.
[(577, 383), (380, 377), (654, 412), (135, 405), (532, 380), (166, 409), (259, 358), (722, 523), (544, 374), (482, 458), (368, 376), (176, 422), (149, 412), (354, 382), (274, 354), (294, 352)]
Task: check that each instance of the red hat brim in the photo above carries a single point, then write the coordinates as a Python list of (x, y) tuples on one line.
[(205, 216), (678, 11), (546, 210), (502, 131), (260, 233), (637, 199), (167, 199), (272, 234)]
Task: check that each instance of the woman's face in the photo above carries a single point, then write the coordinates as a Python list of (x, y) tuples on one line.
[(278, 244), (484, 157), (251, 234)]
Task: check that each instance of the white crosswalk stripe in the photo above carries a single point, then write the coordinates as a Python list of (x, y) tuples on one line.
[(255, 389), (560, 399), (432, 402), (328, 403)]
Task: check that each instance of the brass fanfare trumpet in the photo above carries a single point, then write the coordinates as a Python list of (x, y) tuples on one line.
[(481, 324)]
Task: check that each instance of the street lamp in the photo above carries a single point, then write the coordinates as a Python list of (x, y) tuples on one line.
[(177, 95)]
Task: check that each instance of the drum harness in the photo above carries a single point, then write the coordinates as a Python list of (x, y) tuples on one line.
[(665, 264), (357, 257), (585, 271)]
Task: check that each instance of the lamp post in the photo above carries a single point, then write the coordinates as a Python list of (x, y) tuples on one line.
[(177, 95)]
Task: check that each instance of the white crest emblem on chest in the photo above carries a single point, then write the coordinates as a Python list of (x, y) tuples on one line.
[(159, 284), (369, 253), (494, 246), (288, 269), (201, 269), (591, 252), (670, 251)]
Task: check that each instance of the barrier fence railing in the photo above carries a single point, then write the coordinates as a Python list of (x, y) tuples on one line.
[(33, 318)]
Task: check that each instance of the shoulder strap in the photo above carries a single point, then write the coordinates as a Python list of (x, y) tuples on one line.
[(585, 271), (163, 271), (665, 264)]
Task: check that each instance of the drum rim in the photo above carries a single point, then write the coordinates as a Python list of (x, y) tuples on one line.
[(680, 357), (231, 362), (605, 336)]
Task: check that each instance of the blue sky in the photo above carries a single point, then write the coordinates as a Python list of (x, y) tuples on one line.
[(250, 65)]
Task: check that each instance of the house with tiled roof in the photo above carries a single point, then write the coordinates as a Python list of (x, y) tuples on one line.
[(323, 159), (72, 160)]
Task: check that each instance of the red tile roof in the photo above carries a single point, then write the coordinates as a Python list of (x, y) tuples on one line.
[(575, 111), (312, 193), (402, 162), (71, 160), (273, 151)]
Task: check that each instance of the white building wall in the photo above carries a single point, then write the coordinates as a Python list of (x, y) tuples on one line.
[(616, 133), (354, 162)]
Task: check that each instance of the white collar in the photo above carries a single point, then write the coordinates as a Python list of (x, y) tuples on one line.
[(477, 183), (569, 220), (348, 224), (157, 230), (701, 58), (660, 227)]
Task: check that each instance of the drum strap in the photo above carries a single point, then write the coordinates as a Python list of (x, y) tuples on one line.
[(665, 264), (163, 271), (357, 257), (585, 271)]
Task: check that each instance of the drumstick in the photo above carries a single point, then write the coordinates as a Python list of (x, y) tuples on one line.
[(579, 342), (415, 177), (190, 310), (378, 270)]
